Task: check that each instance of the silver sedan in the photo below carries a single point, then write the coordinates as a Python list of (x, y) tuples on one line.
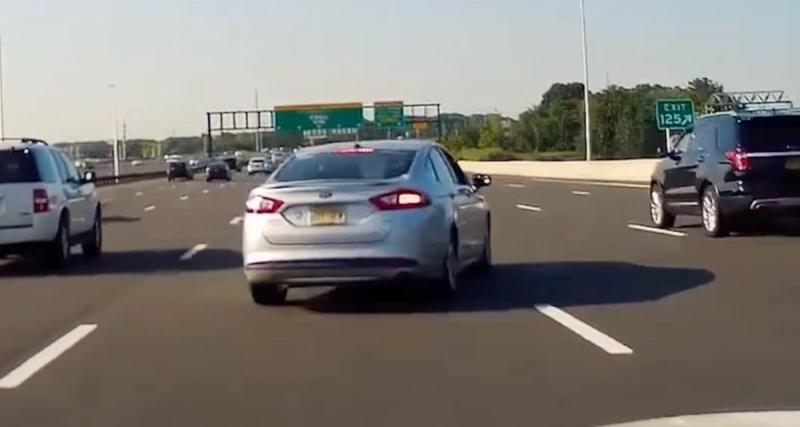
[(365, 211)]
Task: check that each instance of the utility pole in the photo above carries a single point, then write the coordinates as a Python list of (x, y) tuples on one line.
[(124, 140), (115, 141), (587, 120), (2, 112), (258, 125)]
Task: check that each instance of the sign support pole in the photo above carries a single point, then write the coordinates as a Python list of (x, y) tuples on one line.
[(668, 149)]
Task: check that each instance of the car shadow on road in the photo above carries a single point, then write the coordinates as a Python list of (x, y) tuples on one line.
[(520, 286), (120, 219), (129, 262)]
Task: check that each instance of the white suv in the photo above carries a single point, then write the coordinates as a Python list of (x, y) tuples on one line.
[(257, 165), (46, 207)]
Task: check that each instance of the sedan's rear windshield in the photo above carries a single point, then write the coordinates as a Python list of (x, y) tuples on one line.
[(347, 164), (18, 166), (771, 134)]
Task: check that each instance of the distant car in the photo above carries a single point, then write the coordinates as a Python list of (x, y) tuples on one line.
[(257, 165), (232, 163), (46, 206), (84, 165), (218, 170), (731, 167), (177, 170), (369, 211)]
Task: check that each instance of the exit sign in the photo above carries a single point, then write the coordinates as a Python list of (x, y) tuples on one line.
[(674, 114)]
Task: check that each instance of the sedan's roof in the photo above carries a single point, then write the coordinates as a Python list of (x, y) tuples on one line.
[(385, 144)]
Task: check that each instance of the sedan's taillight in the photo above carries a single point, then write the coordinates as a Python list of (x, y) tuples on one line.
[(41, 202), (262, 205), (739, 160), (400, 199)]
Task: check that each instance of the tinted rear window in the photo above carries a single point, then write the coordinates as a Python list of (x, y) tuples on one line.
[(771, 134), (18, 166), (378, 164)]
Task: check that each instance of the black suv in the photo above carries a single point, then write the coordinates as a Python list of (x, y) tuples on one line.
[(179, 170), (730, 167)]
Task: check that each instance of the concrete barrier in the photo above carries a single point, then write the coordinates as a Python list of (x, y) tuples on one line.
[(637, 170)]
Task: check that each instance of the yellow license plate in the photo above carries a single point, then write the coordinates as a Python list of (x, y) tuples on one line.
[(793, 163), (327, 216)]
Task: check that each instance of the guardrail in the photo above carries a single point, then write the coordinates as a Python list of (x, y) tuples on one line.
[(102, 181)]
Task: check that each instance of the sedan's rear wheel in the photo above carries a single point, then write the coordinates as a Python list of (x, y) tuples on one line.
[(268, 294), (484, 265), (448, 282)]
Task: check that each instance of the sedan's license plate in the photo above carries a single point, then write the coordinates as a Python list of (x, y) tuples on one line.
[(327, 216), (793, 163)]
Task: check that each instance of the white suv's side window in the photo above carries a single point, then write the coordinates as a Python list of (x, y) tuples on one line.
[(66, 168), (48, 171)]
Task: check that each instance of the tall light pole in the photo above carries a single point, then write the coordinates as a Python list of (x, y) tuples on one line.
[(115, 142), (2, 112), (258, 125), (588, 124)]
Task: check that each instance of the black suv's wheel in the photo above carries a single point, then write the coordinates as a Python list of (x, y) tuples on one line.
[(59, 249), (714, 223), (268, 294), (658, 214), (94, 246)]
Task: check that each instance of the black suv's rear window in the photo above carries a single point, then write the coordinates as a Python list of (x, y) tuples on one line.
[(771, 134), (347, 164), (17, 166)]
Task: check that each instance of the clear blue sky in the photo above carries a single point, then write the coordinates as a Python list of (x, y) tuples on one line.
[(172, 60)]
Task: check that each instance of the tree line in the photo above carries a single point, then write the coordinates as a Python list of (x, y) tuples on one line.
[(622, 126)]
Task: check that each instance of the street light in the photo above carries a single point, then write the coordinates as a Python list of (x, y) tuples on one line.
[(2, 112), (588, 125), (115, 143)]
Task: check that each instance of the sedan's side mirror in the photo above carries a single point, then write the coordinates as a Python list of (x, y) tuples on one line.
[(481, 180), (89, 177)]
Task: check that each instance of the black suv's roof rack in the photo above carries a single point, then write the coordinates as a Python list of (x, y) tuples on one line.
[(748, 101), (25, 140)]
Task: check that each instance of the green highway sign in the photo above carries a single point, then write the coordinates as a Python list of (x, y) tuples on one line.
[(674, 114), (318, 116), (389, 114)]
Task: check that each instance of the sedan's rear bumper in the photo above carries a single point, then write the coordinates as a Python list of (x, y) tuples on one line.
[(332, 270)]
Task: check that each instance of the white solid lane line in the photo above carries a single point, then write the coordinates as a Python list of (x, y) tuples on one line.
[(656, 230), (44, 357), (529, 208), (516, 185), (184, 197), (236, 220), (194, 251), (581, 193), (585, 331), (149, 208)]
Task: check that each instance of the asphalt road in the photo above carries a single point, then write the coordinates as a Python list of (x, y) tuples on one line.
[(584, 321)]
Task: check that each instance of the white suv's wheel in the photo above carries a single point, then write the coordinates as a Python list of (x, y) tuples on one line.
[(94, 246), (59, 251)]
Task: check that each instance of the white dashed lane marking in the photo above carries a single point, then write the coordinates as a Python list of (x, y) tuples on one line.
[(581, 193), (656, 230), (41, 359), (149, 208), (184, 197), (236, 220), (138, 194), (516, 185), (194, 251), (205, 191), (585, 331), (529, 208)]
